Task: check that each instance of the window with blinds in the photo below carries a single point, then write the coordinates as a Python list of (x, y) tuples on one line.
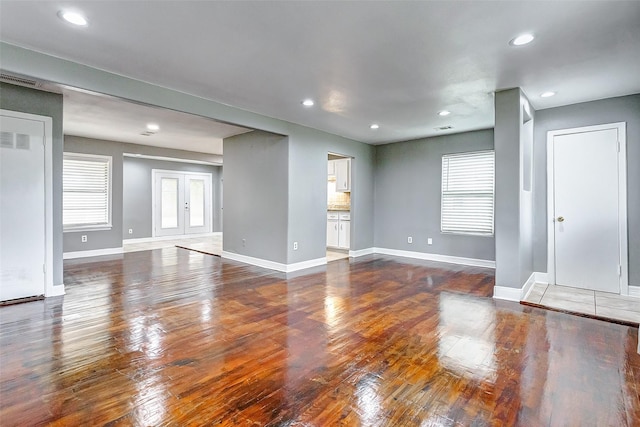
[(467, 192), (86, 191)]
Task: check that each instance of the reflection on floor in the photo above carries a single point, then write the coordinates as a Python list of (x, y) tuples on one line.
[(583, 301), (173, 337)]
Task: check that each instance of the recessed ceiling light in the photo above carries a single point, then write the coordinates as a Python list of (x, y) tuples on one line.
[(522, 40), (153, 127), (375, 126), (308, 102), (74, 18), (547, 94), (444, 113)]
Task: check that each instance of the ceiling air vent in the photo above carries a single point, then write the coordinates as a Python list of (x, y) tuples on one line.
[(22, 81), (444, 128), (147, 133)]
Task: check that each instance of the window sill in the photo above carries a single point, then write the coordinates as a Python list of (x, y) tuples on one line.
[(77, 229), (462, 233)]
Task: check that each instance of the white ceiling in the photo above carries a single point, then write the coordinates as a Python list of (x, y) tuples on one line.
[(394, 63), (103, 117)]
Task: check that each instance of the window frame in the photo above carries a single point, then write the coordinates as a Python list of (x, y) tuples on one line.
[(94, 226), (493, 195)]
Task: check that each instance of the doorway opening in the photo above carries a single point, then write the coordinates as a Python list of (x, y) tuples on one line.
[(338, 206)]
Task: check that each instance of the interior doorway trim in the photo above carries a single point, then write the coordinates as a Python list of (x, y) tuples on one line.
[(622, 200), (49, 289)]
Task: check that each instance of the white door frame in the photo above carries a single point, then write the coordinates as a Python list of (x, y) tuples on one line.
[(154, 173), (49, 289), (622, 200)]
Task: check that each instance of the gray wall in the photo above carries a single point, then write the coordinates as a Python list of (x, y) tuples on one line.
[(137, 205), (99, 239), (17, 98), (513, 217), (621, 109), (256, 195), (408, 185), (308, 152)]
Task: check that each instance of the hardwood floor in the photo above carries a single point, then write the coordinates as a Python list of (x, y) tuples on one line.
[(175, 337)]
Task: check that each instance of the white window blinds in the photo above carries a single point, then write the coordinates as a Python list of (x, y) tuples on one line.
[(86, 191), (467, 192)]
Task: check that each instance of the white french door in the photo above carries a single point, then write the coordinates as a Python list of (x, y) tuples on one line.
[(182, 203), (587, 208)]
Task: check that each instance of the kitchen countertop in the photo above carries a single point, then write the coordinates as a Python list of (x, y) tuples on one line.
[(338, 208)]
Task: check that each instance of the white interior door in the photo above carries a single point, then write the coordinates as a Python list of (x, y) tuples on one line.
[(182, 203), (22, 208), (586, 210)]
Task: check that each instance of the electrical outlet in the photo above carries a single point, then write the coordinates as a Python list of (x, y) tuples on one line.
[(409, 239), (131, 231), (244, 242), (429, 241), (295, 246), (84, 238)]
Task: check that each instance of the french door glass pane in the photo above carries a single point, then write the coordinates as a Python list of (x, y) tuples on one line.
[(169, 202), (196, 208)]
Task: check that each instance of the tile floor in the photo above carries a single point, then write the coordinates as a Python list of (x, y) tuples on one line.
[(208, 244), (213, 243), (584, 301)]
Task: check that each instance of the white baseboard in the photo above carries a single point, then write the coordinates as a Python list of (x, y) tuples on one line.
[(54, 291), (541, 278), (306, 264), (634, 291), (519, 294), (272, 265), (361, 252), (509, 294), (95, 252), (179, 236), (528, 285), (436, 257)]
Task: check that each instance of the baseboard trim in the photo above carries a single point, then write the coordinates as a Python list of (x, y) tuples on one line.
[(528, 285), (634, 291), (541, 278), (54, 291), (436, 257), (179, 236), (272, 265), (90, 253), (361, 252), (508, 294)]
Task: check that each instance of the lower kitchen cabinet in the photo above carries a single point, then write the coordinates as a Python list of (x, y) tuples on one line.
[(339, 230)]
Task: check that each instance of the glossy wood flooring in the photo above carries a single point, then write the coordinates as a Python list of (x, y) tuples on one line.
[(175, 337)]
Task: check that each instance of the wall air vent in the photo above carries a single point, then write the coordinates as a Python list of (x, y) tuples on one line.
[(17, 80), (444, 128)]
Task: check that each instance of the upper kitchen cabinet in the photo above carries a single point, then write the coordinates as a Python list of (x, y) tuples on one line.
[(343, 175), (331, 169)]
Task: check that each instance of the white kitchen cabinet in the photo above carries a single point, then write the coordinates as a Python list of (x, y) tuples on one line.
[(339, 230), (332, 229), (343, 175), (344, 234), (331, 168)]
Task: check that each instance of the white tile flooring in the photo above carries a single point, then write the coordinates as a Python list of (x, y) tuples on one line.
[(207, 244), (584, 301)]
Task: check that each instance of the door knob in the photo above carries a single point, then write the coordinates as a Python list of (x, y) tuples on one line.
[(560, 219)]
